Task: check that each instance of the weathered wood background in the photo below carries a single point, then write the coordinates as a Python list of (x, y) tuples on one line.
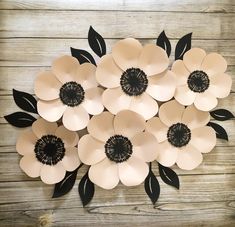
[(33, 33)]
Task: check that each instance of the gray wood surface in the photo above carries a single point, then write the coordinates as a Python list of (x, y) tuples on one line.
[(33, 33)]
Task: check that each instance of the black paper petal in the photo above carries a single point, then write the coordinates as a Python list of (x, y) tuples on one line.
[(220, 131), (152, 187), (221, 114), (169, 176), (82, 56), (64, 186), (164, 43), (86, 189), (25, 101), (96, 42), (20, 119), (183, 45)]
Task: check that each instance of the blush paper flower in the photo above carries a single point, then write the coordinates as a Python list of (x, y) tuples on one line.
[(69, 90), (201, 79), (117, 149), (182, 135), (135, 76), (48, 151)]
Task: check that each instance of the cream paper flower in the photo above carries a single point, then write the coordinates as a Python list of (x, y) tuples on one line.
[(182, 135), (69, 90), (48, 151), (201, 79), (117, 149), (135, 76)]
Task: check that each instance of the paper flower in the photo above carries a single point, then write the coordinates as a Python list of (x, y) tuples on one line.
[(70, 89), (117, 148), (134, 76), (182, 135), (48, 151), (201, 79)]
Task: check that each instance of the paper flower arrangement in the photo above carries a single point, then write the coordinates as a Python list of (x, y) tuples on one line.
[(156, 112)]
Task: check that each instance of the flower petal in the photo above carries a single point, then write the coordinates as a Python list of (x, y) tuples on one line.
[(189, 158), (195, 118), (65, 68), (69, 138), (144, 105), (194, 58), (181, 72), (145, 146), (75, 118), (30, 165), (101, 126), (70, 160), (104, 174), (126, 53), (167, 154), (26, 142), (93, 101), (128, 123), (157, 128), (204, 139), (153, 59), (52, 174), (220, 85), (51, 110), (42, 127), (162, 88), (90, 150), (171, 112), (108, 74), (133, 171), (184, 95), (214, 64), (47, 86), (115, 100), (205, 101)]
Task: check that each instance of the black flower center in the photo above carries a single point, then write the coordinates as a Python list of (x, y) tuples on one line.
[(72, 94), (179, 135), (49, 149), (134, 81), (118, 148), (198, 81)]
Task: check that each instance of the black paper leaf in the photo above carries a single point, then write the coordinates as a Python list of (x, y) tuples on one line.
[(64, 186), (82, 56), (221, 114), (220, 131), (164, 43), (169, 176), (86, 189), (96, 42), (152, 187), (20, 119), (183, 45), (25, 101)]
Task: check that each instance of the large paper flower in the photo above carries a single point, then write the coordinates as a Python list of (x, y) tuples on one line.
[(201, 79), (117, 148), (70, 89), (48, 151), (135, 76), (182, 135)]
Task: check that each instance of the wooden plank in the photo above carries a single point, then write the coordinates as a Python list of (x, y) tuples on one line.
[(124, 5), (74, 24)]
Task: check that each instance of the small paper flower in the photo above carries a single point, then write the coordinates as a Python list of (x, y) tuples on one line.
[(117, 148), (70, 89), (201, 79), (182, 135), (48, 151), (135, 76)]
